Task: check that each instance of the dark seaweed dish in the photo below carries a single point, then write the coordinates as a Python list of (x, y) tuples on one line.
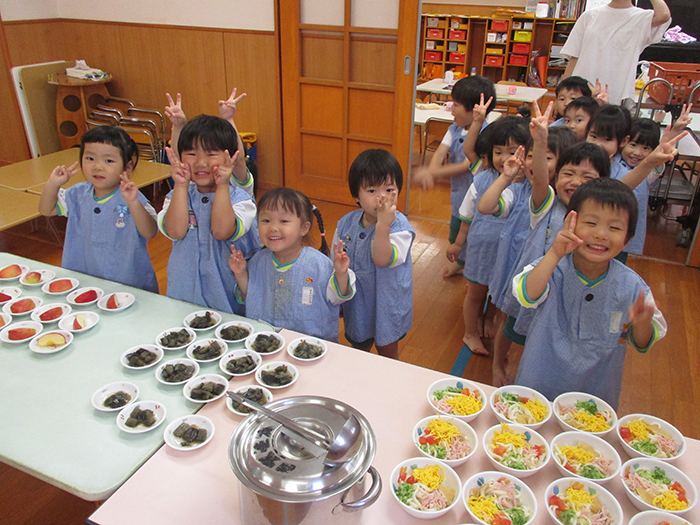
[(207, 352), (140, 417), (175, 339), (241, 365), (234, 333), (207, 391), (177, 373), (141, 357), (306, 350), (254, 394), (117, 400), (189, 435), (264, 344), (203, 321), (280, 376)]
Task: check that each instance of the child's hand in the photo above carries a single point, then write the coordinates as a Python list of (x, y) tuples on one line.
[(539, 126), (129, 190), (174, 111), (566, 240), (641, 312), (683, 121), (227, 108), (60, 174), (179, 171), (236, 261), (386, 210), (601, 95), (222, 173), (666, 150), (453, 251), (421, 175), (341, 261), (514, 164), (480, 110)]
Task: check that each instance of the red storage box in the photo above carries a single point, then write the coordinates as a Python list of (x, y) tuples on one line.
[(499, 25), (457, 35), (518, 60), (494, 61), (523, 49), (433, 55), (435, 33), (681, 76), (456, 57)]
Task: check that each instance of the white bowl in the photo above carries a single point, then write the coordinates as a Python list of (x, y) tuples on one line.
[(524, 392), (237, 354), (240, 391), (73, 285), (38, 312), (104, 392), (158, 411), (465, 429), (68, 322), (442, 384), (532, 437), (22, 270), (71, 298), (124, 301), (606, 499), (44, 277), (673, 473), (655, 517), (242, 324), (269, 367), (223, 348), (182, 360), (12, 291), (215, 316), (251, 339), (602, 447), (571, 398), (192, 420), (34, 345), (5, 319), (310, 340), (5, 333), (205, 378), (663, 425), (151, 348), (451, 481), (38, 301), (189, 331), (526, 497)]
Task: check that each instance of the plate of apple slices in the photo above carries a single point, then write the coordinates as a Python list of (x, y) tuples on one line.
[(8, 293), (22, 305), (79, 322), (13, 272), (37, 277), (60, 286), (85, 296), (51, 342), (116, 302), (51, 313), (20, 332)]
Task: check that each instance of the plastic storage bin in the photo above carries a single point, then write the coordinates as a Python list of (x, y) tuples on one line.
[(435, 33), (433, 55), (493, 61), (499, 25), (522, 49), (522, 36), (518, 60), (457, 35), (456, 57), (681, 76)]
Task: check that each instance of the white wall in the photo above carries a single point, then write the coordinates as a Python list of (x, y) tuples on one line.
[(233, 14)]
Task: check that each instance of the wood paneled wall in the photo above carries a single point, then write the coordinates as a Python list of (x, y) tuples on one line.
[(147, 61)]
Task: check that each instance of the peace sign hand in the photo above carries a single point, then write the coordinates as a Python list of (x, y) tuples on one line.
[(539, 126), (566, 240), (227, 108), (174, 111)]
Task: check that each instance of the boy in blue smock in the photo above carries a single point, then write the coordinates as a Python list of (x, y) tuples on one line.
[(567, 90), (588, 305)]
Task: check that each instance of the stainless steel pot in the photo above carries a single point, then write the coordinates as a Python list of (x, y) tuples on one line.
[(283, 484)]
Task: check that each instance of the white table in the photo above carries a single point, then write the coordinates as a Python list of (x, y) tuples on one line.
[(503, 92)]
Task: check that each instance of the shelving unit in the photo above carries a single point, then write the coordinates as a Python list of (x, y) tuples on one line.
[(496, 49), (556, 66), (520, 48)]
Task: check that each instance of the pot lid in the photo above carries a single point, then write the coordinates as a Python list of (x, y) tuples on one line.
[(271, 464)]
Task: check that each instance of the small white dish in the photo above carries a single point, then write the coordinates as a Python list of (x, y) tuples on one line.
[(158, 411), (5, 319), (526, 498), (35, 345), (269, 367), (22, 270), (654, 517), (605, 498), (215, 319), (315, 341), (25, 304), (196, 420), (676, 475), (464, 428), (102, 393), (67, 284), (531, 436), (241, 392), (9, 293), (666, 427), (124, 301), (564, 407), (238, 354), (77, 295), (86, 319), (65, 309), (174, 362), (439, 388), (451, 481), (515, 413), (193, 349), (573, 439), (32, 330), (251, 339), (195, 382), (160, 338), (155, 349), (37, 277), (221, 331)]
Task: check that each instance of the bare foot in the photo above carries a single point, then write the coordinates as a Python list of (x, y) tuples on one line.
[(475, 344), (452, 269)]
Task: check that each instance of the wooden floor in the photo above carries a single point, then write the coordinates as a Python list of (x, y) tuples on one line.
[(665, 382)]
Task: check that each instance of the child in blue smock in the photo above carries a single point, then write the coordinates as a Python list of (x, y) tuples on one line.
[(378, 240), (204, 214), (578, 114), (109, 220), (588, 306), (288, 284)]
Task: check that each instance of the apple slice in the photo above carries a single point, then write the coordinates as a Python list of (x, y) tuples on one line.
[(32, 278), (50, 315), (2, 322), (79, 322), (113, 302), (19, 334), (8, 272), (61, 285), (4, 297), (22, 306), (52, 340), (86, 297)]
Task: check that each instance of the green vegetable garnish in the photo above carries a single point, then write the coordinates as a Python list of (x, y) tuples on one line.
[(645, 447), (511, 397), (588, 406), (439, 394), (516, 515), (405, 492), (434, 450), (568, 517), (589, 471), (658, 475)]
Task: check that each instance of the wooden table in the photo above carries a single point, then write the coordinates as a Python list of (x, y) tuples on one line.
[(519, 94), (17, 207), (200, 487)]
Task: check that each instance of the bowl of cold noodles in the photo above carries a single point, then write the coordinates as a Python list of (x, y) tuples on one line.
[(648, 436), (515, 449), (521, 405), (657, 517), (573, 500), (496, 498), (651, 484), (584, 455), (425, 488), (585, 413), (457, 398), (448, 439)]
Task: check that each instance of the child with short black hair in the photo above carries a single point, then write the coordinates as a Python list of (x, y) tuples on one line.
[(610, 128), (578, 114), (568, 90), (587, 305)]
